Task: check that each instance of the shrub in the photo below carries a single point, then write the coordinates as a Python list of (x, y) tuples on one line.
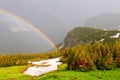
[(91, 56), (107, 59), (83, 61), (116, 52), (78, 58)]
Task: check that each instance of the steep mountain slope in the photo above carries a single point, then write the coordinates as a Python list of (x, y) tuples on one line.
[(107, 21), (84, 34)]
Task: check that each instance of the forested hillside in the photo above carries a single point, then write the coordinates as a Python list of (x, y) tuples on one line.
[(81, 35)]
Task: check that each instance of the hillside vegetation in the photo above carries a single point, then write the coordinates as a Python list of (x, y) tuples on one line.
[(81, 35)]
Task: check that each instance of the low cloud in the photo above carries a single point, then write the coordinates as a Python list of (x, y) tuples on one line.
[(19, 28)]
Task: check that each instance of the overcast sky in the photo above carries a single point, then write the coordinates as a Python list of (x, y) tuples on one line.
[(75, 12), (69, 12), (56, 17)]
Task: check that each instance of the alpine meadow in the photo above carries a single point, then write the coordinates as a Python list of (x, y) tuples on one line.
[(60, 40)]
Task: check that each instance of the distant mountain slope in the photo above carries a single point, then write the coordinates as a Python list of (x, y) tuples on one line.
[(84, 34), (104, 21)]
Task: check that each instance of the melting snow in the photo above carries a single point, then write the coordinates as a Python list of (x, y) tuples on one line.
[(115, 36), (101, 40), (61, 46), (42, 67), (105, 29)]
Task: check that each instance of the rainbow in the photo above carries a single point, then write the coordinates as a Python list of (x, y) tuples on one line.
[(34, 28)]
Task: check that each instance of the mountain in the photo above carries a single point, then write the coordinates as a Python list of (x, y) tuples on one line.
[(85, 34), (104, 21)]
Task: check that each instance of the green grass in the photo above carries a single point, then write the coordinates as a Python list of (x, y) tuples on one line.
[(64, 74), (13, 73)]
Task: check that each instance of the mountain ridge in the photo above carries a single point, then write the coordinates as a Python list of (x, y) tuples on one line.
[(109, 21), (81, 35)]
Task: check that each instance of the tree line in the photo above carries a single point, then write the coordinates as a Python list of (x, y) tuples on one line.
[(23, 59), (85, 57)]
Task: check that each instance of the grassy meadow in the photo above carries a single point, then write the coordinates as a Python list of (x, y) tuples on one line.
[(12, 66), (63, 74), (13, 73)]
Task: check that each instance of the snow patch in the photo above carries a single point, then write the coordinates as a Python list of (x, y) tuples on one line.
[(115, 36), (61, 46), (37, 70), (105, 29), (101, 40)]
